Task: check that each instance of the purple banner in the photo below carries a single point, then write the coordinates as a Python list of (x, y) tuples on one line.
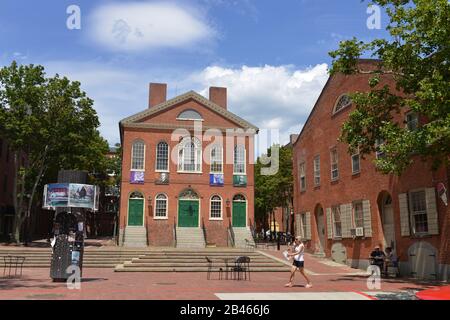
[(137, 177)]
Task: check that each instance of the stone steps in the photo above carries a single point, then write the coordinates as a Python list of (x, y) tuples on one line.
[(190, 238), (240, 234), (135, 237), (195, 261)]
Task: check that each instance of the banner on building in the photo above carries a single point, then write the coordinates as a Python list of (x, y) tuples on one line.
[(216, 179), (137, 177), (239, 181)]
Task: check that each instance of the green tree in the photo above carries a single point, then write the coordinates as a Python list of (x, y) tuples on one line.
[(275, 190), (417, 56), (51, 121)]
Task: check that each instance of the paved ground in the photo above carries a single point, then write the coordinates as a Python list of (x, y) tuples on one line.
[(338, 282)]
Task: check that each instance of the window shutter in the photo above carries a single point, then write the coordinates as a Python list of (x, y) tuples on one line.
[(346, 219), (308, 226), (298, 226), (367, 218), (329, 224), (404, 214), (432, 214)]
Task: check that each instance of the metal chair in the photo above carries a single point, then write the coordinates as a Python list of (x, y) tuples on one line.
[(241, 266), (249, 245), (210, 269), (13, 263)]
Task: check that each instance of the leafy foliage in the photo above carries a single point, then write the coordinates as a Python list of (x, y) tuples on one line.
[(417, 57), (52, 123)]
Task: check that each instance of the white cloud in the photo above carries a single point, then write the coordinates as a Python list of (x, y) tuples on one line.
[(271, 97), (137, 26)]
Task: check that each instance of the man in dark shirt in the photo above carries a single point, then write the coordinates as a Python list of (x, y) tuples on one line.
[(377, 257)]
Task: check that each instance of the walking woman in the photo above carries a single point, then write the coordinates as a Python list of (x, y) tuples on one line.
[(299, 262)]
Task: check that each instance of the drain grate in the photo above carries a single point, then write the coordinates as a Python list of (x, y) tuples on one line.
[(45, 296), (166, 283)]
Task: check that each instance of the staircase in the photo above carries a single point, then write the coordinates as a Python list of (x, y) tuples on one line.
[(194, 261), (190, 238), (135, 237), (240, 234), (92, 258)]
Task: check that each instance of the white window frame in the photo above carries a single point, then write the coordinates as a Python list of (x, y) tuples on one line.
[(210, 207), (302, 176), (317, 170), (416, 120), (189, 119), (354, 204), (168, 157), (338, 101), (220, 148), (132, 155), (334, 166), (167, 207), (359, 162), (198, 152), (335, 234), (235, 162), (413, 214)]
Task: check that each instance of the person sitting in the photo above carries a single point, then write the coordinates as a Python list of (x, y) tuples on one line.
[(391, 259), (377, 257)]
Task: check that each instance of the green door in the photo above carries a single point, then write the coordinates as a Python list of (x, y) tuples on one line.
[(188, 213), (136, 212), (239, 213)]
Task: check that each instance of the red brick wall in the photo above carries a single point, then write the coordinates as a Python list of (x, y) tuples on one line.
[(319, 135), (160, 231)]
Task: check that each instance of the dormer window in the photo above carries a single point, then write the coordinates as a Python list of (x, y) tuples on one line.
[(190, 115), (343, 102)]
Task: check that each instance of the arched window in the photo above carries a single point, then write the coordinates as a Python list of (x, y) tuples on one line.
[(190, 155), (138, 156), (343, 102), (162, 156), (216, 159), (161, 206), (189, 115), (239, 197), (136, 195), (239, 160), (215, 211)]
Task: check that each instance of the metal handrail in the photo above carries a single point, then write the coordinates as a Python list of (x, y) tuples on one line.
[(231, 234), (174, 233), (204, 231)]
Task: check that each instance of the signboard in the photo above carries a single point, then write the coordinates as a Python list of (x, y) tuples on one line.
[(137, 177), (442, 193), (239, 181), (216, 179), (59, 195), (56, 195), (81, 196)]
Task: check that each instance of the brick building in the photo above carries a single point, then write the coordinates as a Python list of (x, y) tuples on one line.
[(345, 207), (187, 172), (6, 190)]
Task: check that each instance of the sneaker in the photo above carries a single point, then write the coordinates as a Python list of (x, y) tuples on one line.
[(308, 286)]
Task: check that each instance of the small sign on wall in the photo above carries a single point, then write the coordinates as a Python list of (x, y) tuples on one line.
[(442, 192)]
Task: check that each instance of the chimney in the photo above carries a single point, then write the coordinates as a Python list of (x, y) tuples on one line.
[(218, 96), (157, 94)]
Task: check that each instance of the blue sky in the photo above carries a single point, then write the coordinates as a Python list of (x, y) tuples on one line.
[(272, 55)]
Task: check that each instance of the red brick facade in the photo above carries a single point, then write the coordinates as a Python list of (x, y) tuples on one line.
[(158, 124), (381, 197)]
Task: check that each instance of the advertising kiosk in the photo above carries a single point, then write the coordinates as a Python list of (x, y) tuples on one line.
[(70, 200)]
